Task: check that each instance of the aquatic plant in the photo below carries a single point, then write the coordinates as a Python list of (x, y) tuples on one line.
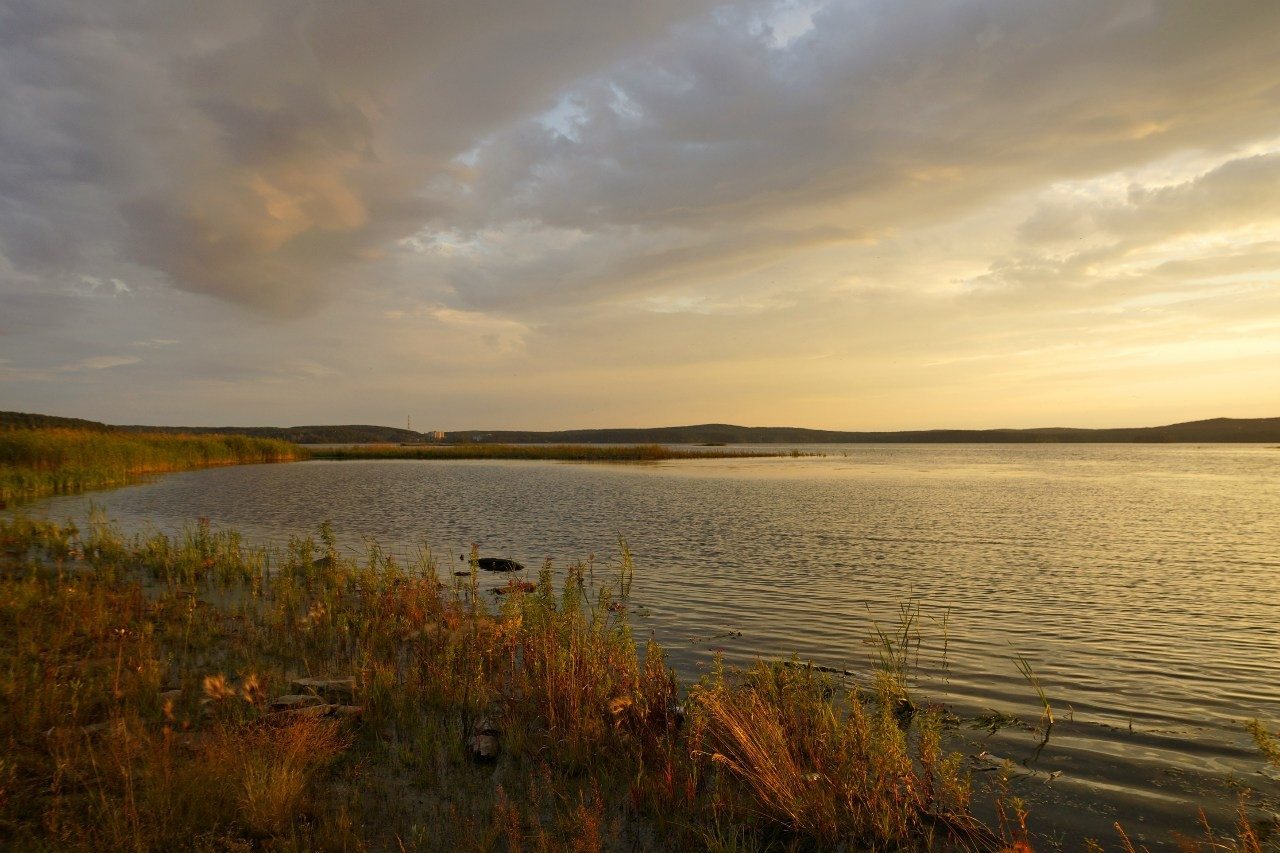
[(37, 462), (1024, 667), (1268, 743)]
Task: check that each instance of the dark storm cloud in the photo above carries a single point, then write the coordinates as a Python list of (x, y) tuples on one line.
[(252, 151)]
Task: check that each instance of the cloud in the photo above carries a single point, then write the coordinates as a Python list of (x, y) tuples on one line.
[(270, 154), (48, 374), (489, 335), (1221, 225), (101, 362), (723, 150), (256, 152), (836, 209)]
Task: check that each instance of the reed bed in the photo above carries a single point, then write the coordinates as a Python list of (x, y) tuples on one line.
[(36, 462), (563, 452), (136, 709)]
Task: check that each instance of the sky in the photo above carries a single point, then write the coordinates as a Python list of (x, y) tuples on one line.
[(898, 214)]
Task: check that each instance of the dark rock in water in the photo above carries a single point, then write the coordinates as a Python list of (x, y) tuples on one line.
[(500, 564), (462, 574), (496, 564), (325, 562)]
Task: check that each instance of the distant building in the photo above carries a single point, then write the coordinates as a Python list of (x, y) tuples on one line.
[(438, 435)]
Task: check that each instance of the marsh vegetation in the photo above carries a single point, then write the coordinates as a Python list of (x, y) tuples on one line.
[(35, 462), (562, 452)]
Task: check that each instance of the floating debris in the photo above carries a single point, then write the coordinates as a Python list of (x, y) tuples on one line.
[(993, 721), (726, 635), (816, 667)]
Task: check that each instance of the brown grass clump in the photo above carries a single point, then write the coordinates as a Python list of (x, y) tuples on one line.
[(838, 774), (271, 767)]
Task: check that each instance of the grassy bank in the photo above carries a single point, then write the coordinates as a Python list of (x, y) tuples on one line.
[(136, 708), (563, 452), (150, 700), (36, 462)]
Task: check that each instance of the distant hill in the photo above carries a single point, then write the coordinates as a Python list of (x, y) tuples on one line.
[(26, 420), (343, 434), (1214, 430)]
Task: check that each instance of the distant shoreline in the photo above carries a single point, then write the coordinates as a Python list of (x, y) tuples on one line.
[(1212, 431), (560, 452)]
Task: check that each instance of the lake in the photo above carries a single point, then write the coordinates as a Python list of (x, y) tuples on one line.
[(1142, 583)]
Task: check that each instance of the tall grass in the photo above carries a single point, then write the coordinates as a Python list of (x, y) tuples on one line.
[(846, 773), (1024, 667), (135, 709), (564, 452), (37, 462)]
